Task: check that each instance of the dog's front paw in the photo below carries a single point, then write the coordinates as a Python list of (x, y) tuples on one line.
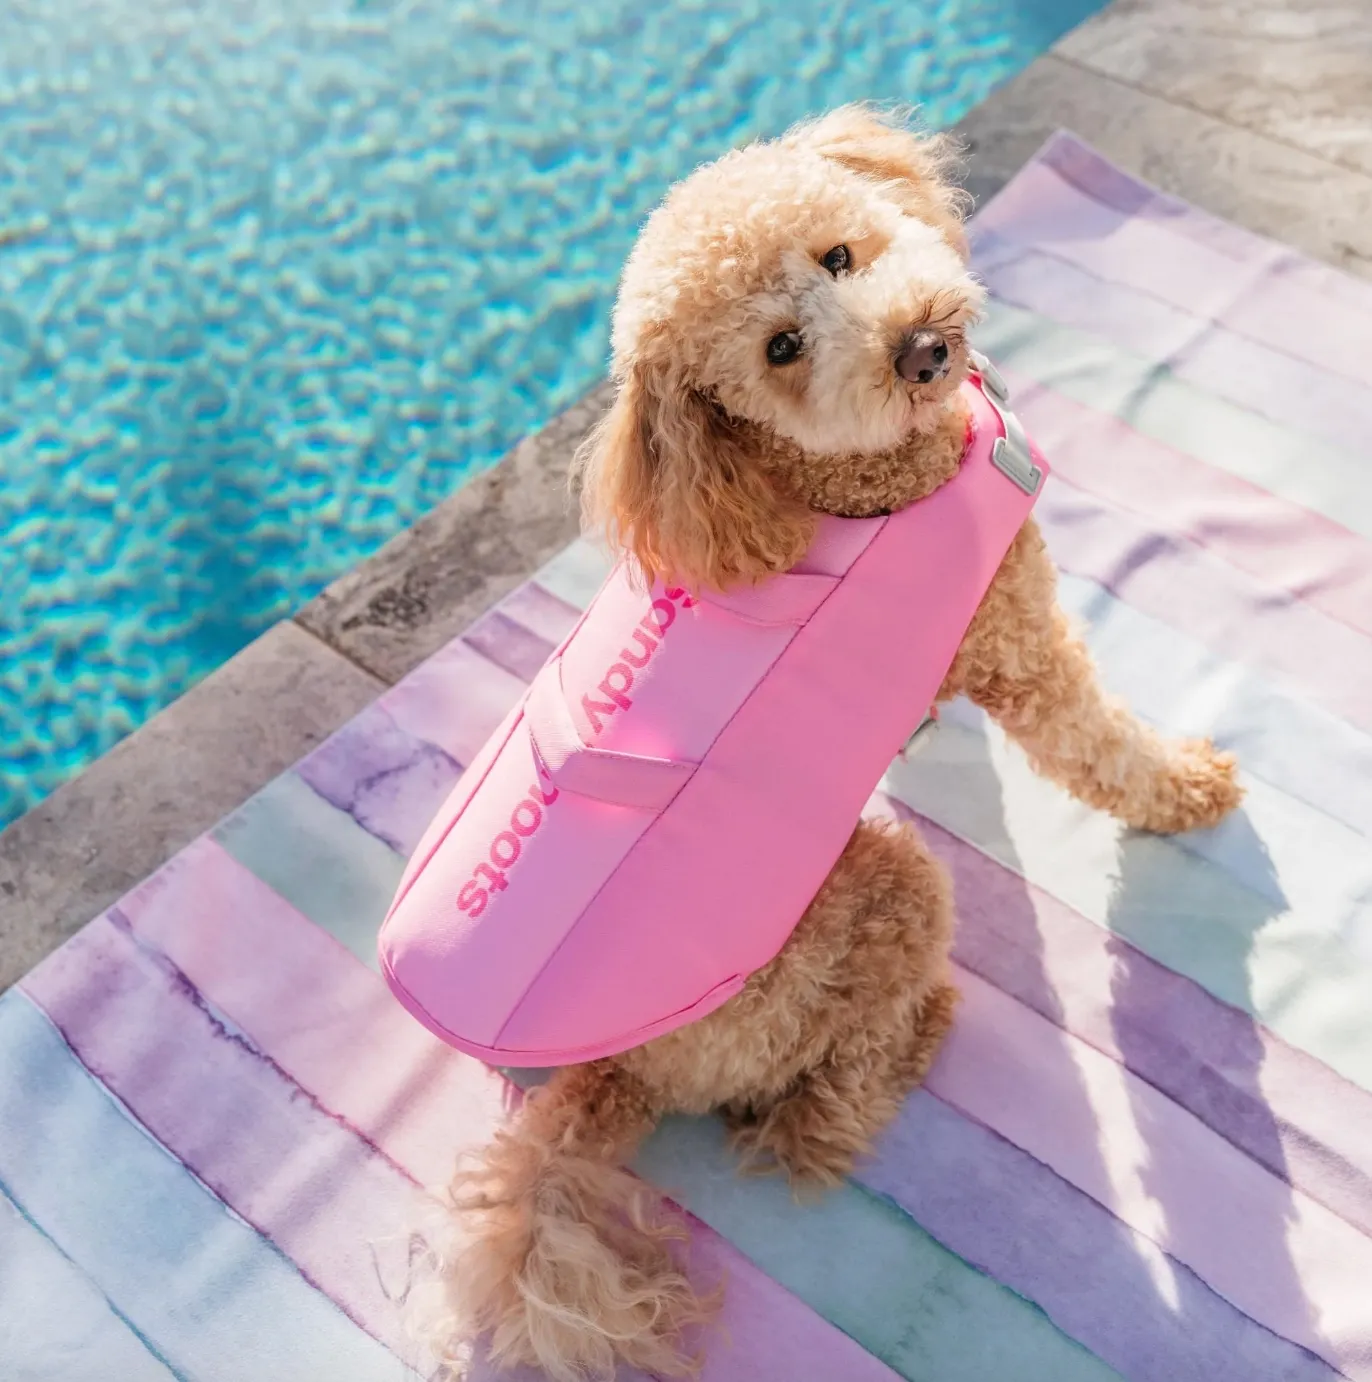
[(1197, 788)]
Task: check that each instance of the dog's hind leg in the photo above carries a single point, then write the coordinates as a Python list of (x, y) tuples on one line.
[(828, 1118), (1025, 665), (881, 926)]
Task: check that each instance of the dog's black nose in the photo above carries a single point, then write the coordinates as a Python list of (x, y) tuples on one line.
[(923, 358)]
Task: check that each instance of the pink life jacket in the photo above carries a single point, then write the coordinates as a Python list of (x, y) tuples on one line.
[(652, 819)]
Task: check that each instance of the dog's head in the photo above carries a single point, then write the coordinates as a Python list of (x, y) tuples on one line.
[(790, 324)]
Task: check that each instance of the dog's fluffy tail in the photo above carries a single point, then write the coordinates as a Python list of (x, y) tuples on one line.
[(562, 1259)]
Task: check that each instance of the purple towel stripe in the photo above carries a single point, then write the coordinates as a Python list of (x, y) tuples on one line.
[(457, 697), (390, 782), (766, 1332), (508, 644), (540, 611), (315, 1011), (1281, 1257), (324, 1196), (1098, 1280)]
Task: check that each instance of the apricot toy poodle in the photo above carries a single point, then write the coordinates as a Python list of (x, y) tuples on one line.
[(789, 340)]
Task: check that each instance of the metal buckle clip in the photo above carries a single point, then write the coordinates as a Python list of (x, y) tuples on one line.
[(1010, 454)]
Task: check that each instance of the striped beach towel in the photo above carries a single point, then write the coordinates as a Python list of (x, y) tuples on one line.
[(1146, 1152)]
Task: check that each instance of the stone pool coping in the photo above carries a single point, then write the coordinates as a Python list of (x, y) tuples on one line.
[(1150, 83)]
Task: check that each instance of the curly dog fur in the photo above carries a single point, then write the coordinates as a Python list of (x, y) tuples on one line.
[(710, 469)]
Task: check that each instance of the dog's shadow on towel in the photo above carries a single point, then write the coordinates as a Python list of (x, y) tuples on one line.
[(1219, 1080), (1205, 1056)]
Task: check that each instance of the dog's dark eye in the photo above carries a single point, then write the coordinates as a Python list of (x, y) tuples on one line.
[(838, 260), (783, 347)]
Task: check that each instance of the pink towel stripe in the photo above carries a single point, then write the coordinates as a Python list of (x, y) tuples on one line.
[(454, 699), (1279, 543), (1081, 166), (329, 1024), (319, 1014), (512, 632), (540, 611), (1196, 591)]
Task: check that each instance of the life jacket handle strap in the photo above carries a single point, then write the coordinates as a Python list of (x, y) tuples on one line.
[(572, 765)]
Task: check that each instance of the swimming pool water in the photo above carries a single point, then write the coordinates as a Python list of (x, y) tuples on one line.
[(277, 275)]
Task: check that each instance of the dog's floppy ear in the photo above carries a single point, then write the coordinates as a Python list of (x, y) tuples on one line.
[(668, 477), (881, 145)]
